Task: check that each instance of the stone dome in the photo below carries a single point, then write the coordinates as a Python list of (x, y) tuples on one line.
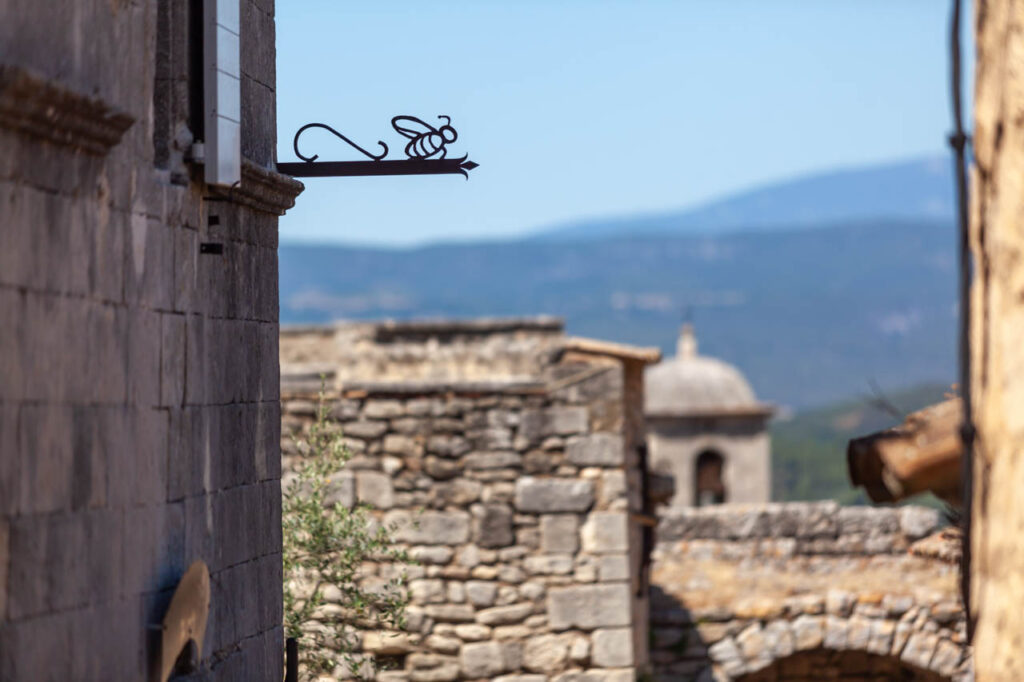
[(692, 384)]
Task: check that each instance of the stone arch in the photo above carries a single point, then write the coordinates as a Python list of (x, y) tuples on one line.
[(738, 590), (843, 666), (920, 645)]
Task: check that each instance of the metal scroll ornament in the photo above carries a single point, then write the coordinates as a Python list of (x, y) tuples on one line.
[(426, 153)]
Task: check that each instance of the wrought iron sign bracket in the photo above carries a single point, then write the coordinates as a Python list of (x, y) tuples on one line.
[(426, 152)]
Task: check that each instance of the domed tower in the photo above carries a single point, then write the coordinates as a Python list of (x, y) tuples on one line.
[(706, 429)]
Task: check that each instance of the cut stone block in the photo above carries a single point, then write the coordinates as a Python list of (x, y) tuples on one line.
[(547, 495), (589, 606)]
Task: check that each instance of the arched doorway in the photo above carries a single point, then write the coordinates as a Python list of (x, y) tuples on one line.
[(845, 666), (709, 482)]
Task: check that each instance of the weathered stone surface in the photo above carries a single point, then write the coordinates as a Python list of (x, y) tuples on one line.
[(388, 642), (481, 593), (374, 488), (808, 632), (458, 493), (446, 672), (473, 632), (532, 590), (919, 649), (596, 450), (546, 495), (341, 490), (917, 522), (405, 446), (837, 632), (613, 486), (778, 638), (492, 525), (947, 657), (605, 533), (365, 430), (490, 438), (341, 410), (430, 590), (504, 615), (448, 445), (546, 653), (753, 646), (895, 606), (881, 637), (500, 459), (728, 655), (538, 462), (807, 521), (436, 554), (450, 613), (579, 652), (482, 660), (839, 603), (383, 409), (420, 660), (559, 534), (550, 564), (868, 520), (613, 567), (588, 606), (442, 644), (612, 648), (430, 527), (564, 421)]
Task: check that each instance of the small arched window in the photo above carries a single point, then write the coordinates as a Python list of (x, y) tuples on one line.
[(708, 479)]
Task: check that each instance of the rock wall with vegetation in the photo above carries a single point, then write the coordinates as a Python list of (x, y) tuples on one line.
[(517, 502)]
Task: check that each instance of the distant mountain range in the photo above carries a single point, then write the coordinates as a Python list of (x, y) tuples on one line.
[(811, 309), (910, 190)]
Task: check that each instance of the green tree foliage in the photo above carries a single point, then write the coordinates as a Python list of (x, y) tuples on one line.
[(325, 546)]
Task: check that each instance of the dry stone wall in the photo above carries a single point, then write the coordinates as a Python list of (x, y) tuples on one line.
[(516, 501), (803, 591)]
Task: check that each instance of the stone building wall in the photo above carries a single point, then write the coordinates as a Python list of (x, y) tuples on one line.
[(804, 591), (139, 399), (518, 500)]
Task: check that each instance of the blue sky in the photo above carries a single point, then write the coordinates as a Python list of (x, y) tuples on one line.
[(588, 108)]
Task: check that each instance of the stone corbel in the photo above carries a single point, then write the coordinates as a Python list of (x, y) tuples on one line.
[(33, 105), (265, 190)]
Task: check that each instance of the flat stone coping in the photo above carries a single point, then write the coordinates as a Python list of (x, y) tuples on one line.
[(388, 329)]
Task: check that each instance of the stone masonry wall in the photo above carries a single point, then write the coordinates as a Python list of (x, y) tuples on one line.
[(804, 591), (139, 394), (516, 502)]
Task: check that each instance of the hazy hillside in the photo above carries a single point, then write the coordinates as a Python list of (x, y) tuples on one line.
[(914, 190), (810, 315), (809, 450)]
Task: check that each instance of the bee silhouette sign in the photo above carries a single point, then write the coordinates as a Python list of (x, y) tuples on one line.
[(426, 153)]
